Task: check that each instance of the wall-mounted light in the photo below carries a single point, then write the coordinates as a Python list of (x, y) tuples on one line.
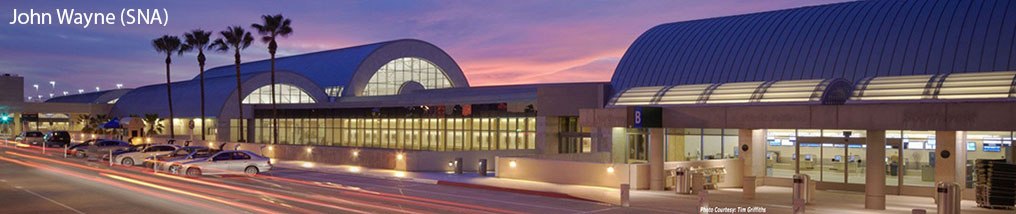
[(211, 144), (400, 174), (356, 153), (307, 165), (512, 164), (354, 169), (399, 157), (148, 140), (309, 149), (610, 169), (270, 148)]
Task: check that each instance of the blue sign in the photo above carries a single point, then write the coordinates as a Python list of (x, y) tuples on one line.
[(638, 117)]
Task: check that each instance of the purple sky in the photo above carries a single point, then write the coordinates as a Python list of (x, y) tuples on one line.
[(495, 42)]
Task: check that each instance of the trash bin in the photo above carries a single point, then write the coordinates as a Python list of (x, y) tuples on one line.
[(698, 182), (748, 184), (481, 167), (682, 185), (458, 165), (948, 197), (802, 184)]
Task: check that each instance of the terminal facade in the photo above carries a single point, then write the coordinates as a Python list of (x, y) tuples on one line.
[(881, 97)]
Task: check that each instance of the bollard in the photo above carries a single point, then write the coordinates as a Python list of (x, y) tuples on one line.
[(110, 157), (155, 164), (948, 197), (918, 211), (44, 147), (703, 199), (481, 168), (458, 166), (682, 185), (65, 150), (625, 195), (800, 195)]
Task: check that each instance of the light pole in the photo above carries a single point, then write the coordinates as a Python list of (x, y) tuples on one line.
[(53, 83), (81, 91), (36, 86), (118, 86), (50, 95), (65, 93), (96, 88)]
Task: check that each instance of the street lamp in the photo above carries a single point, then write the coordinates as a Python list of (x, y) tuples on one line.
[(50, 95), (65, 93), (96, 88), (81, 91), (29, 98), (118, 86), (53, 83)]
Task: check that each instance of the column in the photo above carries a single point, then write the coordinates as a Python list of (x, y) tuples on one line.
[(874, 179), (945, 155), (656, 173)]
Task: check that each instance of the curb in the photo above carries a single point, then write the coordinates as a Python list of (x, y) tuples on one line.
[(512, 190)]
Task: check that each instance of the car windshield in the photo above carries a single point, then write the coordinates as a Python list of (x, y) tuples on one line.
[(33, 134)]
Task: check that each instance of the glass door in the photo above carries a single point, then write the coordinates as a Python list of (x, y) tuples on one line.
[(638, 146)]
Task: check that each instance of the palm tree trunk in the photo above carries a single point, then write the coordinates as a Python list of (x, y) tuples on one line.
[(275, 111), (169, 95), (239, 97), (201, 66)]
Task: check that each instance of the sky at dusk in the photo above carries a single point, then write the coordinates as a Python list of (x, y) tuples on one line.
[(495, 42)]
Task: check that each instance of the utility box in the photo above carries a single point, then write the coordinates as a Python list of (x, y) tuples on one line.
[(481, 167)]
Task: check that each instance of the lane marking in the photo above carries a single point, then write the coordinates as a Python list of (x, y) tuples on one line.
[(50, 200)]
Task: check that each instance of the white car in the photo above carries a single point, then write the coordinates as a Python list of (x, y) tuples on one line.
[(227, 162), (138, 157)]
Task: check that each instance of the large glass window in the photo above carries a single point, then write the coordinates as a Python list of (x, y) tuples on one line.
[(780, 153), (284, 93), (985, 145), (917, 163), (701, 144), (573, 138), (391, 77)]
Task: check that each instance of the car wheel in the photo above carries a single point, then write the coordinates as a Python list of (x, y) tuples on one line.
[(174, 169), (127, 161), (81, 154), (194, 172), (251, 170)]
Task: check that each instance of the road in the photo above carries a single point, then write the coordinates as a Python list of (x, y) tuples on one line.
[(31, 182)]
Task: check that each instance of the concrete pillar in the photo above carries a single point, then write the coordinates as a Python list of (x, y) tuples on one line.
[(548, 135), (874, 178), (656, 173), (945, 165)]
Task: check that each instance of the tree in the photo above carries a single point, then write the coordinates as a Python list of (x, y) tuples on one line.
[(270, 28), (86, 123), (237, 39), (168, 44), (199, 40), (152, 122)]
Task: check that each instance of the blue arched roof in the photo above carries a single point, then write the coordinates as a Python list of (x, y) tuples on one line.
[(326, 68), (849, 40)]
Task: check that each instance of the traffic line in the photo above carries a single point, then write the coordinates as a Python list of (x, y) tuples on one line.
[(50, 200)]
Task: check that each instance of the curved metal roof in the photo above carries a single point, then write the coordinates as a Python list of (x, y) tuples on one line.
[(851, 40), (220, 95), (101, 97), (351, 66)]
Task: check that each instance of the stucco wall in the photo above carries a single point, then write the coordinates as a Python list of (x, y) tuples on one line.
[(574, 172)]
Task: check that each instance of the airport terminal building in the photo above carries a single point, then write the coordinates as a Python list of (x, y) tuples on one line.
[(881, 97)]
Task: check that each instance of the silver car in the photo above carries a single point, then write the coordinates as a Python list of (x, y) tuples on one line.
[(30, 138), (137, 157), (227, 162), (101, 148), (171, 162)]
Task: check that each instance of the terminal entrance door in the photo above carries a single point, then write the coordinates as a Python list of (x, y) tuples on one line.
[(637, 148), (833, 160)]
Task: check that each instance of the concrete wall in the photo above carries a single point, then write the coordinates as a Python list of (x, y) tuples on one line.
[(574, 172), (567, 99)]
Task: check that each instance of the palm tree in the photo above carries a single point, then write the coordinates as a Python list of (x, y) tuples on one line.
[(270, 28), (237, 39), (169, 45), (152, 122), (199, 40)]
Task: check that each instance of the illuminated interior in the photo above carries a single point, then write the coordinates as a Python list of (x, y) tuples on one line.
[(284, 93), (984, 85), (390, 78)]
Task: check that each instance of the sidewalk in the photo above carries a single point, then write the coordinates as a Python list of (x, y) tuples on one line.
[(772, 199)]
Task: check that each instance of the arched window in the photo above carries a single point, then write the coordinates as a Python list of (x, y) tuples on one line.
[(396, 73), (284, 93)]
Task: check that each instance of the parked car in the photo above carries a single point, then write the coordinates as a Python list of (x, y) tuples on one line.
[(30, 138), (137, 157), (101, 146), (227, 162), (171, 162), (58, 138)]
